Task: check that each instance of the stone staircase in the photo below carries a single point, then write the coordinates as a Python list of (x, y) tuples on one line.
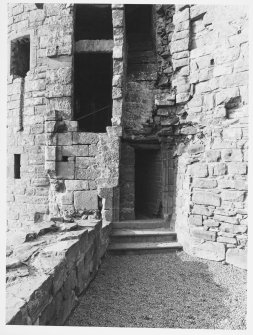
[(142, 237)]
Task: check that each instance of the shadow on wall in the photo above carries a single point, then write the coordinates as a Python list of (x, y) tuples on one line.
[(161, 291)]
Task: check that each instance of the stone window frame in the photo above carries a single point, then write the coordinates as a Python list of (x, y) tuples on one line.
[(15, 36)]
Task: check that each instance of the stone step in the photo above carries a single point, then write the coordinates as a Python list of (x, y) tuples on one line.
[(143, 248), (140, 224), (142, 235)]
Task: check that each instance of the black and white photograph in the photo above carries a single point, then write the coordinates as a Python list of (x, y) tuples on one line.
[(127, 141)]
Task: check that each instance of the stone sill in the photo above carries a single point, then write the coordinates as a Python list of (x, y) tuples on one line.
[(44, 289)]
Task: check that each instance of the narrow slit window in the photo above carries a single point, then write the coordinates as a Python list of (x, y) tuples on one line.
[(20, 56), (17, 165)]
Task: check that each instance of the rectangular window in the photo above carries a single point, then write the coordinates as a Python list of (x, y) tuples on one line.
[(20, 56), (17, 159), (92, 98), (93, 91)]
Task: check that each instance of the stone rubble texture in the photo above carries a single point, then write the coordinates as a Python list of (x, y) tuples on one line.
[(189, 94)]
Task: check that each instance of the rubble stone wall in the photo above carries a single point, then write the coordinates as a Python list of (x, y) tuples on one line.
[(210, 62), (47, 275)]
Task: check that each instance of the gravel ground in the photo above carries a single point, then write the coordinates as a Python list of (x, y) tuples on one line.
[(164, 291)]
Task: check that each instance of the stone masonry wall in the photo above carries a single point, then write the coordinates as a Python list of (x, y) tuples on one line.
[(68, 178), (47, 275), (210, 62), (63, 170)]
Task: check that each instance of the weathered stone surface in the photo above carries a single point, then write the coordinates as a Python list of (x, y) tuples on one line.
[(233, 195), (219, 169), (203, 234), (204, 183), (196, 149), (213, 251), (85, 200), (203, 210), (224, 218), (77, 185), (165, 99), (206, 198), (232, 155), (199, 170), (65, 170), (85, 138), (94, 46), (237, 168), (237, 257), (223, 239), (211, 223), (237, 184), (195, 220), (235, 229)]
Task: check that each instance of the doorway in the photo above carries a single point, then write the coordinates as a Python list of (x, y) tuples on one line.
[(148, 184)]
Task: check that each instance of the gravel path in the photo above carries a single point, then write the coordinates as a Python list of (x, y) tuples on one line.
[(168, 290)]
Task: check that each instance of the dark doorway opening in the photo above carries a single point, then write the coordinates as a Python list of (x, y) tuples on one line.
[(93, 91), (148, 184)]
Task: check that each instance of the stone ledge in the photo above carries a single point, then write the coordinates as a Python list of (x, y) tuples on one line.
[(43, 286)]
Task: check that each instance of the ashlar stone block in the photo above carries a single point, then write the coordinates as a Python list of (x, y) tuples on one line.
[(85, 200), (206, 198), (199, 170)]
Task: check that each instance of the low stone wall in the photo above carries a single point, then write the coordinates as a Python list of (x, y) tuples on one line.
[(49, 271)]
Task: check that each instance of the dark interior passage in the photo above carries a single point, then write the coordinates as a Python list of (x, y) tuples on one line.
[(93, 91), (93, 22), (139, 27), (148, 184)]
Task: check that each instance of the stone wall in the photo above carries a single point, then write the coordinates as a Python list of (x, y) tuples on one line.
[(67, 178), (186, 94), (62, 169), (47, 274), (210, 61)]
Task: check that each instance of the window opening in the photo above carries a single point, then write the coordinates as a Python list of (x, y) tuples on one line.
[(93, 67), (17, 159), (20, 56), (39, 5), (93, 91)]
